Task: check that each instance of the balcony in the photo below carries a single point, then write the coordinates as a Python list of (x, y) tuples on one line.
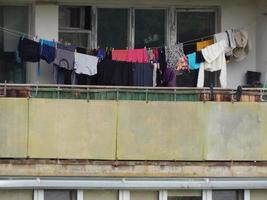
[(107, 123)]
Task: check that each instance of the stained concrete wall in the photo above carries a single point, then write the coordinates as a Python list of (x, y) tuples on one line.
[(129, 130)]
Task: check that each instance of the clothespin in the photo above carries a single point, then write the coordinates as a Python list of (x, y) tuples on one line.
[(35, 38)]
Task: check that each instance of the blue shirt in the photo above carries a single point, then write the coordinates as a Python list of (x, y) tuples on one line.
[(192, 61)]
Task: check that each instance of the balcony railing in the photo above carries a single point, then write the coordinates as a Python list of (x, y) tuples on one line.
[(130, 93)]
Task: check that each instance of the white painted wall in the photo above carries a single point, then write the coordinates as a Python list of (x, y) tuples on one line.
[(45, 25), (241, 14), (262, 39)]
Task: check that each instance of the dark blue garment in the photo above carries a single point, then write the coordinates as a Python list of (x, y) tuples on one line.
[(101, 54), (59, 75), (143, 74), (48, 53), (29, 50)]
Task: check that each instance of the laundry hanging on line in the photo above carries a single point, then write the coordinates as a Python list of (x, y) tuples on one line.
[(237, 47)]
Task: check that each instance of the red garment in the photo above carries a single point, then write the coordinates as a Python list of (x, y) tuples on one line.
[(138, 56), (120, 55), (156, 54)]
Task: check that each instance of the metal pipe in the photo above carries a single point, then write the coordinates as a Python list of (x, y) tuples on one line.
[(120, 184)]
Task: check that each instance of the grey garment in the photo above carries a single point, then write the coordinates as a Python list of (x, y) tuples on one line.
[(173, 53), (143, 74), (230, 41), (231, 38), (64, 59), (67, 47)]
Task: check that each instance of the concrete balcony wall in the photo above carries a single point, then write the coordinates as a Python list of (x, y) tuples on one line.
[(131, 130)]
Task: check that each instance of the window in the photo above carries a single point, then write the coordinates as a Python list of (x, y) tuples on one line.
[(184, 195), (100, 195), (149, 28), (228, 194), (60, 195), (10, 71), (194, 24), (112, 30), (75, 25)]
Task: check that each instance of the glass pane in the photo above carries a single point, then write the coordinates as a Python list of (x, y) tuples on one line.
[(78, 39), (194, 25), (112, 28), (227, 195), (149, 28), (16, 194), (75, 17), (184, 198), (60, 195), (100, 195), (185, 195), (144, 195), (10, 71)]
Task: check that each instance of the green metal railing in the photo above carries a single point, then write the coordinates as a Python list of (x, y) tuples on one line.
[(125, 93)]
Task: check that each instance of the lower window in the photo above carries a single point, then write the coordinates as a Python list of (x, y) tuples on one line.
[(227, 195), (60, 195), (184, 195)]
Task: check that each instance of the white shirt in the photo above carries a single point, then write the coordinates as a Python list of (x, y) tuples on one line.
[(215, 61), (85, 64)]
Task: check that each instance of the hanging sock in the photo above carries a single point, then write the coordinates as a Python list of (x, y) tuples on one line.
[(38, 70)]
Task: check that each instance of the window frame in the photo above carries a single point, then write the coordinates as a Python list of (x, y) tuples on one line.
[(131, 22), (166, 27), (95, 23), (74, 30), (125, 194), (213, 9), (217, 27)]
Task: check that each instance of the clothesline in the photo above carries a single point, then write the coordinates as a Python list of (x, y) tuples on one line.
[(19, 34)]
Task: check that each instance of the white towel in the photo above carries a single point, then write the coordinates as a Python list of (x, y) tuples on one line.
[(85, 64), (215, 61)]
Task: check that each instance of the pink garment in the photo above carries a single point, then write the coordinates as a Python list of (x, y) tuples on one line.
[(120, 55), (138, 56)]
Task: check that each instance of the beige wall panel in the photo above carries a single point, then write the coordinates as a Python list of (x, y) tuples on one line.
[(160, 131), (72, 129), (16, 194), (258, 194), (13, 127)]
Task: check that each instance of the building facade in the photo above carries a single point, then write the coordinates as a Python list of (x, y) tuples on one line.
[(113, 147)]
